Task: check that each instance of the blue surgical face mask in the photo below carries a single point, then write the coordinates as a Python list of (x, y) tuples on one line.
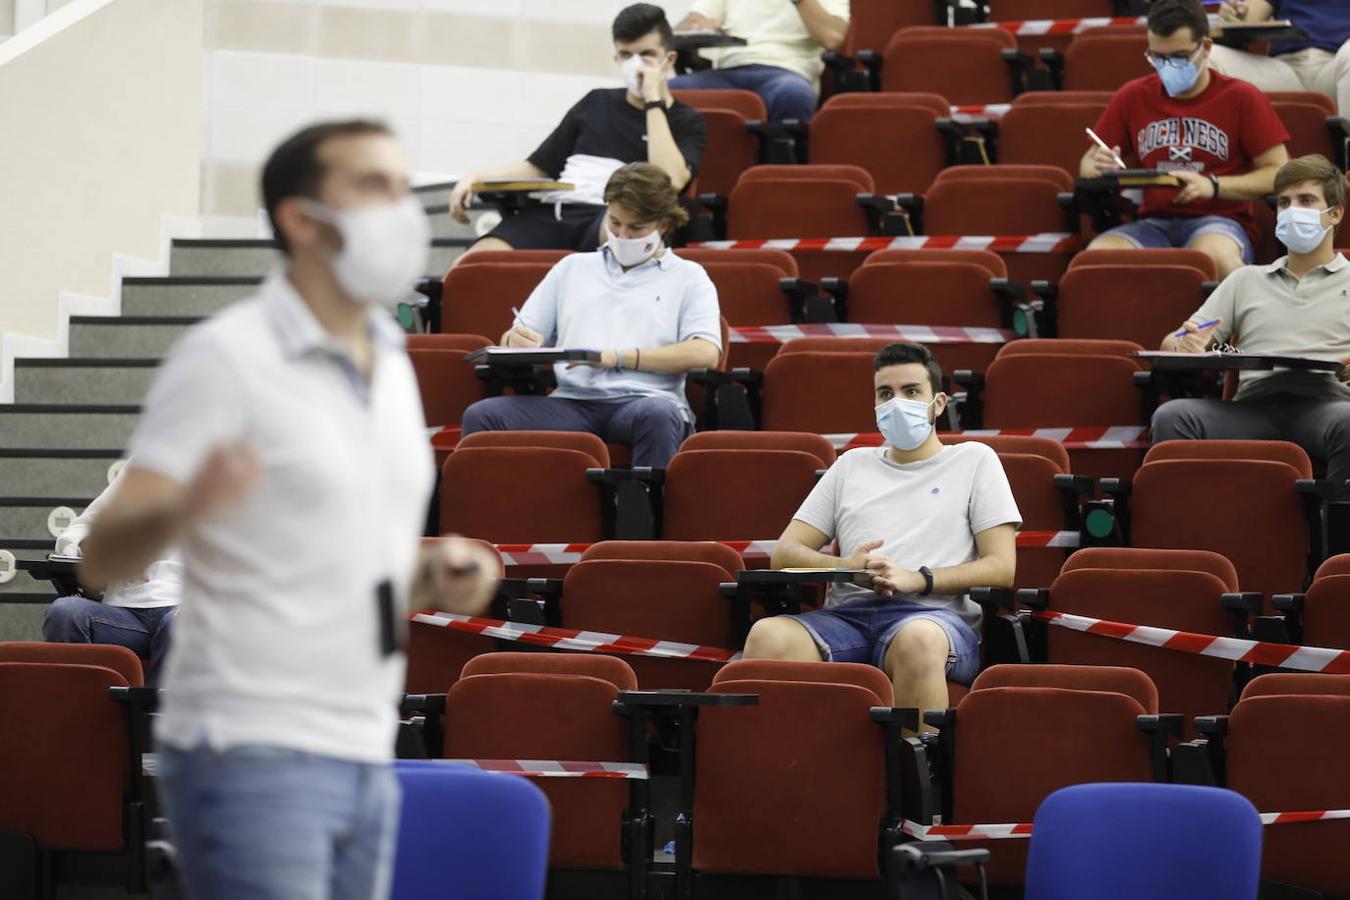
[(1177, 79), (1300, 228), (904, 423)]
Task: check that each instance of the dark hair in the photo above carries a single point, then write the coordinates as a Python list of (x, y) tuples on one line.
[(294, 169), (1314, 167), (646, 190), (639, 20), (1166, 16), (903, 354)]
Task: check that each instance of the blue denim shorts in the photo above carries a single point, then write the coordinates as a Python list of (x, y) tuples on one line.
[(1179, 231), (861, 630)]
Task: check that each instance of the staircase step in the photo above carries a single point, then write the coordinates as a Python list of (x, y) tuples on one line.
[(184, 295), (256, 257), (77, 426), (24, 519), (21, 616), (56, 473), (83, 381), (121, 337)]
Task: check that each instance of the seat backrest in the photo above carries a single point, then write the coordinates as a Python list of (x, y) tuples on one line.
[(747, 104), (1297, 683), (1326, 612), (936, 103), (60, 721), (872, 22), (731, 149), (835, 344), (1113, 679), (1334, 565), (477, 299), (108, 656), (1022, 445), (1135, 303), (1200, 842), (1070, 347), (1005, 171), (778, 258), (1147, 558), (688, 551), (593, 665), (1148, 256), (733, 495), (581, 441), (748, 293), (669, 600), (546, 499), (1286, 452), (479, 257), (1023, 10), (1033, 391), (1068, 98), (828, 393), (1049, 134), (447, 384), (1306, 121), (814, 444), (928, 293), (869, 677), (856, 175), (868, 135), (993, 206), (464, 342), (990, 261), (1104, 60), (763, 209), (966, 66)]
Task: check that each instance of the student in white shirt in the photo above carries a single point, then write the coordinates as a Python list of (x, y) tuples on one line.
[(136, 613), (927, 521), (652, 315), (781, 58), (283, 449)]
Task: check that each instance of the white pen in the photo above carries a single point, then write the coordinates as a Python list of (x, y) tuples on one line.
[(516, 321), (1101, 143)]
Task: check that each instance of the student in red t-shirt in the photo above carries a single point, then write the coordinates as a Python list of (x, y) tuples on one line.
[(1217, 135)]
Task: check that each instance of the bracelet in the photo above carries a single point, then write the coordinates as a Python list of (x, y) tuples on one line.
[(637, 361), (1214, 180), (927, 574), (654, 104)]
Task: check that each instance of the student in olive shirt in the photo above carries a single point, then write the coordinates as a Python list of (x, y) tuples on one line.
[(1297, 306), (606, 129)]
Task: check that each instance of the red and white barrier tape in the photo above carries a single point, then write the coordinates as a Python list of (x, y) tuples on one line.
[(1124, 437), (991, 112), (1285, 656), (1035, 27), (567, 554), (919, 334), (571, 639), (1024, 829), (1047, 242), (558, 768)]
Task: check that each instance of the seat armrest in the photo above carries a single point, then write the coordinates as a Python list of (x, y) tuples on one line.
[(1208, 287), (1115, 487), (426, 704), (1160, 729), (1212, 726), (993, 599), (969, 411), (713, 202), (904, 717), (1340, 133), (805, 301), (1034, 598), (914, 857), (630, 502), (1249, 603), (1288, 603), (632, 701), (1054, 61), (940, 718)]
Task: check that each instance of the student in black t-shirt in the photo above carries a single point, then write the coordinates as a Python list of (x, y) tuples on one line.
[(606, 129)]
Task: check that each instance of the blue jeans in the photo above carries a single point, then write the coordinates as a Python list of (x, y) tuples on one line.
[(1180, 231), (79, 620), (270, 823), (654, 426), (861, 631), (787, 94)]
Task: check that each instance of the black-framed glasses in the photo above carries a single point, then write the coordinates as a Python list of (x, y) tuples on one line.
[(1175, 60)]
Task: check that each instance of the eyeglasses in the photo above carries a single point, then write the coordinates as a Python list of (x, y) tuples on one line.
[(1175, 60)]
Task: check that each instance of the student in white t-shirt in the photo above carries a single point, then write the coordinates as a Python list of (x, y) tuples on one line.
[(927, 521)]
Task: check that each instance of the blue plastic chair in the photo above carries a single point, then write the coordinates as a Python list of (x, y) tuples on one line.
[(469, 835), (1160, 841)]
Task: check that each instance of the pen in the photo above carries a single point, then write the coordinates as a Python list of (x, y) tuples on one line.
[(1211, 323), (1101, 143)]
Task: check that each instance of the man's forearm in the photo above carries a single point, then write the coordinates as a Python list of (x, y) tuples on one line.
[(662, 150), (1249, 186), (121, 545), (792, 555), (513, 170), (827, 30), (672, 359), (987, 571)]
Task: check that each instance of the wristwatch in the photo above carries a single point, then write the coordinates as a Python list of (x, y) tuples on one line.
[(654, 104), (927, 574), (1214, 180)]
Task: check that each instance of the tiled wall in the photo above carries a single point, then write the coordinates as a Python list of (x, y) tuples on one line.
[(467, 84)]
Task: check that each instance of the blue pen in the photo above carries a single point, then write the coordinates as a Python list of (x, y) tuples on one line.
[(1183, 332)]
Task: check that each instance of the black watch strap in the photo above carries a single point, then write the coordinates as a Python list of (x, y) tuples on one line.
[(654, 104), (927, 574)]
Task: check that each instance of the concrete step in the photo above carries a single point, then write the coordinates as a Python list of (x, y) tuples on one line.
[(184, 295), (123, 337), (253, 257), (83, 381), (78, 427), (31, 521), (57, 473)]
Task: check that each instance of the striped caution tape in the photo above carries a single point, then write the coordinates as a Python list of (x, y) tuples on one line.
[(966, 114), (919, 334), (1024, 829), (558, 768), (572, 639), (1285, 656), (1123, 437), (1046, 242), (1035, 27)]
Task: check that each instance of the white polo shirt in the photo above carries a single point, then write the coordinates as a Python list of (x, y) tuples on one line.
[(774, 32), (277, 641), (587, 301)]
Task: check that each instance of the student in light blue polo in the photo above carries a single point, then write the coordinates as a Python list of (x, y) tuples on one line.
[(652, 315)]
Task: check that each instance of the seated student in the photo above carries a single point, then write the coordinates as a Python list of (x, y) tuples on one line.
[(928, 522), (1296, 306), (653, 316), (781, 59), (1321, 63), (1218, 136), (604, 130), (136, 614)]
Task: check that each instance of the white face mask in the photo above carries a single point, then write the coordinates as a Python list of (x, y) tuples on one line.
[(630, 68), (1300, 228), (384, 249), (631, 252), (904, 423)]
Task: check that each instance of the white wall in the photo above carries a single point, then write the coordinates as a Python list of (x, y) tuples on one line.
[(467, 84)]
